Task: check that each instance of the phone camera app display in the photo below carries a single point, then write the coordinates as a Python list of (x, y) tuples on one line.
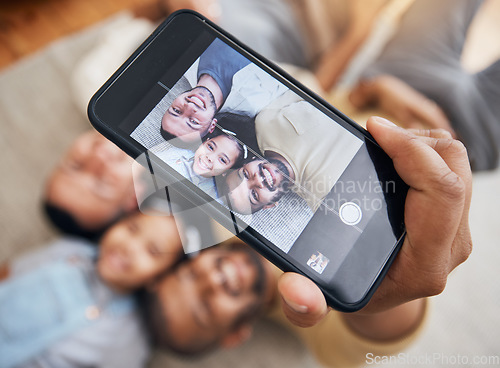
[(249, 142), (281, 166)]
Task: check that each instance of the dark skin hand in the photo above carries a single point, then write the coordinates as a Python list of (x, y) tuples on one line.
[(436, 168)]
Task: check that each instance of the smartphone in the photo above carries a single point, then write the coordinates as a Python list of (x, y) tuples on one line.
[(261, 154)]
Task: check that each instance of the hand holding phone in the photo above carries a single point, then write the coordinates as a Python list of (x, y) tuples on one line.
[(436, 242)]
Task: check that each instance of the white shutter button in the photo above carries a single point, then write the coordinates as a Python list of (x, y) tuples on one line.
[(350, 213)]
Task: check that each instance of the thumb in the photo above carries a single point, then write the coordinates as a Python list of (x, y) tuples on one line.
[(303, 302)]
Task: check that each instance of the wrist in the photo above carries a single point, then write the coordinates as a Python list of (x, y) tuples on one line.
[(390, 325)]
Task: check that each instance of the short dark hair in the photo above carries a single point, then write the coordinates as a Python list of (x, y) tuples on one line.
[(153, 316), (240, 145), (176, 141), (284, 189), (166, 135), (243, 127), (156, 323), (67, 224), (285, 185)]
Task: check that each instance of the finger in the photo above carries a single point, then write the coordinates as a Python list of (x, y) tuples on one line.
[(453, 152), (432, 133), (303, 303), (443, 175), (455, 155), (426, 163), (433, 183), (418, 164)]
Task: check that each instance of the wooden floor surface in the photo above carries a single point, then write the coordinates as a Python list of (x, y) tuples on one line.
[(28, 25)]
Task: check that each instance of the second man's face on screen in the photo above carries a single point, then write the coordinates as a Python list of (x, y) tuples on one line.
[(257, 185)]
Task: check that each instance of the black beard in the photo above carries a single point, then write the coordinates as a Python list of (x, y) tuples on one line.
[(283, 169), (210, 96), (177, 142), (222, 189)]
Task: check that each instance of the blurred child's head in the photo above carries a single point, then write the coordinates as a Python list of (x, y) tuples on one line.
[(217, 154), (137, 249)]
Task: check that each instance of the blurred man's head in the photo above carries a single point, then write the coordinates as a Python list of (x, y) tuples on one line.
[(210, 300), (257, 185), (190, 116), (91, 187)]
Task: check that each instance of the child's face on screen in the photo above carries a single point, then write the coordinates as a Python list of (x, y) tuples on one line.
[(215, 156), (138, 249)]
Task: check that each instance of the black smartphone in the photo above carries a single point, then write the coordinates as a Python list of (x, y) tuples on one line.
[(261, 154)]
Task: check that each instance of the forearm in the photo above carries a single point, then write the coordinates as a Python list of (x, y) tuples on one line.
[(390, 325), (153, 10), (403, 103), (335, 60), (209, 8)]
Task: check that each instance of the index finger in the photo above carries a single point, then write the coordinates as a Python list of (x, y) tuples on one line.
[(414, 157)]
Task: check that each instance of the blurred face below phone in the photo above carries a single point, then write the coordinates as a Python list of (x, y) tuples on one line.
[(215, 156), (257, 185), (93, 182), (213, 295), (137, 249), (191, 115)]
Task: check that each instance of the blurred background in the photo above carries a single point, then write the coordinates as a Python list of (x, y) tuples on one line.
[(42, 109)]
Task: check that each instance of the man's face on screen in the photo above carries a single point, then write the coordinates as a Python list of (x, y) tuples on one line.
[(191, 115), (257, 185), (93, 182)]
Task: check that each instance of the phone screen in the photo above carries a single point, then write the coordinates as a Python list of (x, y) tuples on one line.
[(311, 185)]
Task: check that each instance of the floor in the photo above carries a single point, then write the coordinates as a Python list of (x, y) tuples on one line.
[(28, 25)]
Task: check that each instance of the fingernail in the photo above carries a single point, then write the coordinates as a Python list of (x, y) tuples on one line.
[(296, 307), (384, 121)]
